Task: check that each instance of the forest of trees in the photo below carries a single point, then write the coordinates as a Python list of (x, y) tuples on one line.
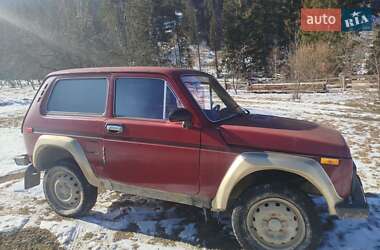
[(248, 36)]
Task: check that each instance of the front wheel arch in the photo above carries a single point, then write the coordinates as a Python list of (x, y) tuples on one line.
[(270, 177), (251, 162)]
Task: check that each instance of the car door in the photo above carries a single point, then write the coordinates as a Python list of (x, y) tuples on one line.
[(142, 147)]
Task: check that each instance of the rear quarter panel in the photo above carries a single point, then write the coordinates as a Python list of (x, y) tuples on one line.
[(87, 130)]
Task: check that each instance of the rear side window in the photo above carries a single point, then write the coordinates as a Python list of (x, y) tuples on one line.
[(83, 96), (144, 98)]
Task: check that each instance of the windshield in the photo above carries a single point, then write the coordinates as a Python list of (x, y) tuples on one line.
[(214, 101)]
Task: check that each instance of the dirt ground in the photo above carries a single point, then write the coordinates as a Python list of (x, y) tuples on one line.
[(29, 238)]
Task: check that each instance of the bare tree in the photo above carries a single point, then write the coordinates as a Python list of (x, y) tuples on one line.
[(374, 60), (311, 61)]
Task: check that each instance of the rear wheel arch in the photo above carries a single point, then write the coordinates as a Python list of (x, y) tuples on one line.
[(51, 149), (49, 155)]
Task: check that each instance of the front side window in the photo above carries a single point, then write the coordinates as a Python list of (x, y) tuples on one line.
[(214, 101), (144, 98), (82, 96)]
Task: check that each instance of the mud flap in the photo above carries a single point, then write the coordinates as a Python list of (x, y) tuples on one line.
[(32, 177), (356, 205)]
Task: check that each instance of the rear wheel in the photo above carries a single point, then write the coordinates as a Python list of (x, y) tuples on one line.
[(67, 190), (276, 217)]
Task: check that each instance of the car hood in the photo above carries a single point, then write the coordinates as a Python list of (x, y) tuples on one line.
[(272, 133)]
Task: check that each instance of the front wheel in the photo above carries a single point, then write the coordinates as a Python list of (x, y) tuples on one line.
[(68, 191), (276, 217)]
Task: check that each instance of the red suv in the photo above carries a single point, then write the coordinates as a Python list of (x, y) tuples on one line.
[(177, 135)]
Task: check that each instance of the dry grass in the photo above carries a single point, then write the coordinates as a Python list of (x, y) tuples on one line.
[(29, 238), (162, 242), (88, 236), (24, 211), (121, 235)]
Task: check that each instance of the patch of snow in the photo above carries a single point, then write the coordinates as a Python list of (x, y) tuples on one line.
[(15, 100), (356, 234), (189, 233), (147, 227), (374, 155), (170, 224), (10, 223), (18, 187), (12, 144), (66, 231)]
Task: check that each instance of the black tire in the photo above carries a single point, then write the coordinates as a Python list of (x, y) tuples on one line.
[(289, 199), (81, 197)]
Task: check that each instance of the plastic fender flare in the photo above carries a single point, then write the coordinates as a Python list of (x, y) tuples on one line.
[(73, 147), (248, 163)]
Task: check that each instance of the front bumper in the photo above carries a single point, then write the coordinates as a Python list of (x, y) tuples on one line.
[(32, 176), (354, 206)]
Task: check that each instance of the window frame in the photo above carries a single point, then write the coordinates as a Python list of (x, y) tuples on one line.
[(166, 85), (65, 113), (195, 101)]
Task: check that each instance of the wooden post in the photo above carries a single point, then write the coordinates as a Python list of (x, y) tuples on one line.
[(216, 62), (342, 79)]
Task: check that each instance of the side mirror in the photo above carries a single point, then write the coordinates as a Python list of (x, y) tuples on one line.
[(181, 115)]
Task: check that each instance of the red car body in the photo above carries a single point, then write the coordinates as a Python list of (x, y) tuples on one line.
[(164, 156), (176, 135)]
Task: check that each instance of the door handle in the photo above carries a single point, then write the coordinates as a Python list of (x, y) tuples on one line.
[(114, 128)]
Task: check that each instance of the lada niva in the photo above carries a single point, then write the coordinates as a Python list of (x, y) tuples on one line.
[(177, 135)]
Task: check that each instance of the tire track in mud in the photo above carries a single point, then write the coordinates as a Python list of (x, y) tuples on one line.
[(12, 176), (75, 238)]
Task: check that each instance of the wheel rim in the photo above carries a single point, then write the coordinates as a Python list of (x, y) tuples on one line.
[(276, 224), (66, 189)]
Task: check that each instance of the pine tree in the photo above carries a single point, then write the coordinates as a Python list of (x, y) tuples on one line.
[(256, 28)]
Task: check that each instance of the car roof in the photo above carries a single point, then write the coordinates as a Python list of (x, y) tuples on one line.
[(107, 70)]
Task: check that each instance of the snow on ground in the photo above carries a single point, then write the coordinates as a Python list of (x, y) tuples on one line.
[(12, 223), (13, 105), (120, 221), (12, 144)]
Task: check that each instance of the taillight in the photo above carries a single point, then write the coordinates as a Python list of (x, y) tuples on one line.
[(28, 130)]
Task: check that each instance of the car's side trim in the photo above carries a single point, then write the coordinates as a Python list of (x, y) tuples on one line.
[(71, 146), (251, 162), (118, 139), (192, 200), (62, 133)]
